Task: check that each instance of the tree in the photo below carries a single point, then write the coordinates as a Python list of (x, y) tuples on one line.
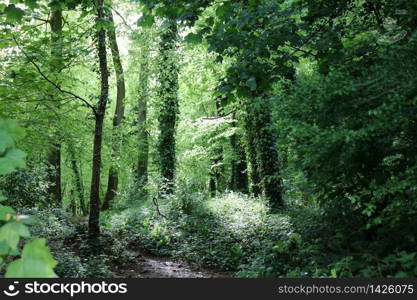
[(168, 100), (239, 167), (99, 114), (113, 179), (142, 113), (54, 155)]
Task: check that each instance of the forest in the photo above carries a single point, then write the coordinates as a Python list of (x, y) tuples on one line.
[(208, 138)]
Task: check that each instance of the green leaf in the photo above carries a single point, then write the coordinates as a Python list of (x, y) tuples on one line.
[(2, 197), (103, 25), (10, 233), (36, 262), (17, 157), (37, 250), (6, 141), (251, 83), (12, 128), (193, 38), (5, 211), (146, 21), (31, 3), (222, 10), (29, 268), (6, 166), (4, 248), (14, 14)]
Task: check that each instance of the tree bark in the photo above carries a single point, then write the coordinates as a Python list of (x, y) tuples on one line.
[(78, 182), (94, 217), (54, 155), (217, 179), (113, 180), (239, 175), (143, 143), (254, 176), (267, 155)]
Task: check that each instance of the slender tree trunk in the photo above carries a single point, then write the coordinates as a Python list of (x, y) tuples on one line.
[(93, 221), (78, 182), (168, 80), (217, 180), (216, 183), (113, 180), (212, 184), (239, 175), (254, 176), (54, 161), (54, 155), (142, 111)]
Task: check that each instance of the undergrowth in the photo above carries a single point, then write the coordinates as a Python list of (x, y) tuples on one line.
[(231, 232)]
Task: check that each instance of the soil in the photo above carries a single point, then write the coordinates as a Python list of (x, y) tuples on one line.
[(147, 266)]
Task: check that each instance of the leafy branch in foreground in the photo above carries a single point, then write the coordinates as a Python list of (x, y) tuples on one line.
[(35, 259)]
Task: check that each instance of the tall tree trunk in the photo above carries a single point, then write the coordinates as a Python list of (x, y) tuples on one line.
[(254, 176), (217, 180), (93, 221), (78, 181), (216, 183), (267, 154), (113, 180), (239, 176), (143, 144), (168, 80), (54, 155)]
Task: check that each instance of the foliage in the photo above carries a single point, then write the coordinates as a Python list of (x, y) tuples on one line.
[(306, 107), (35, 259), (27, 187)]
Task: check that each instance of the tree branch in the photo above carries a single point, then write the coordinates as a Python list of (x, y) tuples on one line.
[(86, 103)]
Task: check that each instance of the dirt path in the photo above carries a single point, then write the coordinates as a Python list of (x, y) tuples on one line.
[(147, 266)]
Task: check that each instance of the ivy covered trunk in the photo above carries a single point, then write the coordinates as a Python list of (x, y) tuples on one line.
[(113, 180), (239, 175), (267, 154), (78, 181), (254, 176), (167, 93), (142, 115), (54, 155), (93, 222)]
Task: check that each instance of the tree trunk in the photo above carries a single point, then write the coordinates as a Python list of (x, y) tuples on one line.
[(217, 180), (78, 181), (54, 161), (54, 155), (254, 176), (143, 144), (142, 111), (93, 221), (168, 80), (267, 155), (239, 175), (113, 180)]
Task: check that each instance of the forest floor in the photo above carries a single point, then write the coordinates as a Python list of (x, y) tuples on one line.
[(150, 266)]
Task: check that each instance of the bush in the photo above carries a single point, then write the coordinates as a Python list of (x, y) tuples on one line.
[(27, 187)]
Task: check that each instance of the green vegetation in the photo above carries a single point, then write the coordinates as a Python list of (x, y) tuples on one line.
[(261, 138), (35, 259)]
